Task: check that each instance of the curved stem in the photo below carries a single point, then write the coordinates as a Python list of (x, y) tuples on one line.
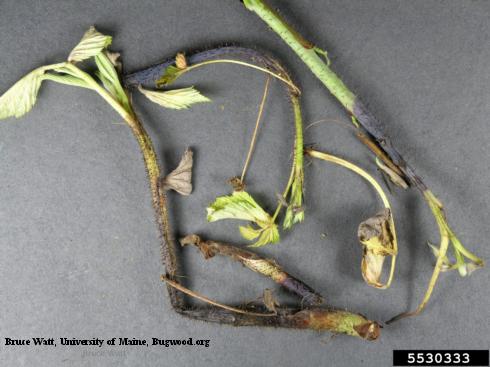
[(377, 187), (153, 170), (281, 74), (230, 61)]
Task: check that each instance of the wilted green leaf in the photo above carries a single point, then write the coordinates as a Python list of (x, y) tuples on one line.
[(90, 45), (269, 234), (176, 99), (107, 73), (66, 79), (249, 233), (240, 205), (21, 97)]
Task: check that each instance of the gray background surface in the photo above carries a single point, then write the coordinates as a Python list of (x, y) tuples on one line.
[(79, 246)]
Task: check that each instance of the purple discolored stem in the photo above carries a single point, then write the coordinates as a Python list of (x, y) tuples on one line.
[(150, 75), (257, 264)]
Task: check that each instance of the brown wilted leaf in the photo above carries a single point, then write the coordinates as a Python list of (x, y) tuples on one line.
[(180, 61), (114, 59), (180, 179), (376, 236)]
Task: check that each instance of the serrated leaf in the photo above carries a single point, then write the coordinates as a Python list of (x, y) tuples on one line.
[(170, 74), (180, 179), (66, 79), (240, 205), (269, 234), (249, 233), (92, 43), (21, 97), (175, 99)]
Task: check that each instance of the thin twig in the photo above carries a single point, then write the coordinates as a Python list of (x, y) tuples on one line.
[(256, 129), (210, 301)]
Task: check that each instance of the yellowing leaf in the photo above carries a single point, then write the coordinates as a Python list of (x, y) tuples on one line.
[(21, 97), (249, 233), (240, 205), (376, 235), (90, 45), (176, 99), (270, 234)]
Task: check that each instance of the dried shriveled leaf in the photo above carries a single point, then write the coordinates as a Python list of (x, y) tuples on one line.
[(376, 236), (180, 179), (21, 97), (92, 43), (114, 59), (180, 61), (237, 183), (177, 99), (270, 302)]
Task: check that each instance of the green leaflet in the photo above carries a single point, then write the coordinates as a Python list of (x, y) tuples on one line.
[(66, 79), (240, 205), (268, 235), (108, 75), (92, 43), (21, 97), (176, 99)]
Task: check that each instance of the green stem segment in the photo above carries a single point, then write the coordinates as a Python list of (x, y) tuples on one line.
[(312, 57)]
